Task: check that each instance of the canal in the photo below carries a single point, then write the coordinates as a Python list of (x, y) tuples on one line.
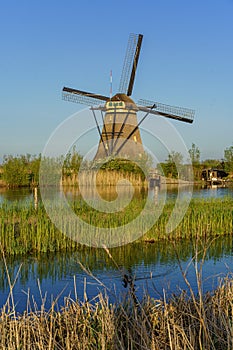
[(155, 268)]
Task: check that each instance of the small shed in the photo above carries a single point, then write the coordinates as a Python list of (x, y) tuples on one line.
[(213, 175)]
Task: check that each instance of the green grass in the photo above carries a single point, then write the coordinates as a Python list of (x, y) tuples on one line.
[(203, 219), (24, 230)]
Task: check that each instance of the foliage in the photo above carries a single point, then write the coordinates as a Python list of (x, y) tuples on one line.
[(21, 170), (228, 155), (26, 230), (194, 153), (34, 169), (72, 162), (172, 166), (213, 163), (50, 171), (140, 165), (123, 165)]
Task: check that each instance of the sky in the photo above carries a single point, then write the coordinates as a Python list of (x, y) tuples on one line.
[(186, 60)]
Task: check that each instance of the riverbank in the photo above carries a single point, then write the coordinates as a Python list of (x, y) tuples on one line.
[(25, 229), (184, 321)]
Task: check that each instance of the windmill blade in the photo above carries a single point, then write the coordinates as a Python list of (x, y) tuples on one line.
[(130, 64), (173, 112), (83, 97)]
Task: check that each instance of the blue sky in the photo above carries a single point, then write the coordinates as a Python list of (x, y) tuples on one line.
[(186, 60)]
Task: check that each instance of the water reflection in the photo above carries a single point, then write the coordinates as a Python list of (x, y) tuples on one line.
[(109, 193), (151, 266), (19, 194), (171, 190)]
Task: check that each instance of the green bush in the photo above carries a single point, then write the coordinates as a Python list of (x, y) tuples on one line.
[(19, 171)]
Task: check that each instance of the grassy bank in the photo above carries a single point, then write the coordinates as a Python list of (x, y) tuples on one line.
[(203, 219), (104, 177), (182, 322), (25, 230)]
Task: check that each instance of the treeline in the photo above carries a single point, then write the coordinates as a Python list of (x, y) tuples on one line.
[(175, 166), (23, 170)]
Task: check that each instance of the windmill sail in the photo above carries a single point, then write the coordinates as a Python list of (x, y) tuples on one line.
[(83, 97), (130, 64), (119, 134), (173, 112)]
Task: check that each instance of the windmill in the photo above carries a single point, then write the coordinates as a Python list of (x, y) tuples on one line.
[(120, 134)]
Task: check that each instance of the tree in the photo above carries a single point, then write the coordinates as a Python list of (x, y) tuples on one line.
[(173, 165), (72, 162), (34, 167), (76, 160), (194, 153), (175, 157), (228, 155), (15, 172), (21, 170), (212, 163)]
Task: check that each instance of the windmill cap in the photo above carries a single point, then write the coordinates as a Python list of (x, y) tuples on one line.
[(124, 98)]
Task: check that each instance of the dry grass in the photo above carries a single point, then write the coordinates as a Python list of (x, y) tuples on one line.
[(178, 323), (103, 178), (185, 321)]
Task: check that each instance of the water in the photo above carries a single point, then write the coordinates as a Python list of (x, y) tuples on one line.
[(26, 195), (153, 266)]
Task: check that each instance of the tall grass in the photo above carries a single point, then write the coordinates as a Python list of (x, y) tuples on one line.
[(24, 230), (203, 219), (185, 321), (104, 177)]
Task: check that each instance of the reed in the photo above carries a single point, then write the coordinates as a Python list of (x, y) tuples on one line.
[(182, 321), (203, 219), (106, 177), (26, 230)]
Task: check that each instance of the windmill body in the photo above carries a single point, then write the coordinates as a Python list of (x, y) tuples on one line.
[(120, 134)]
